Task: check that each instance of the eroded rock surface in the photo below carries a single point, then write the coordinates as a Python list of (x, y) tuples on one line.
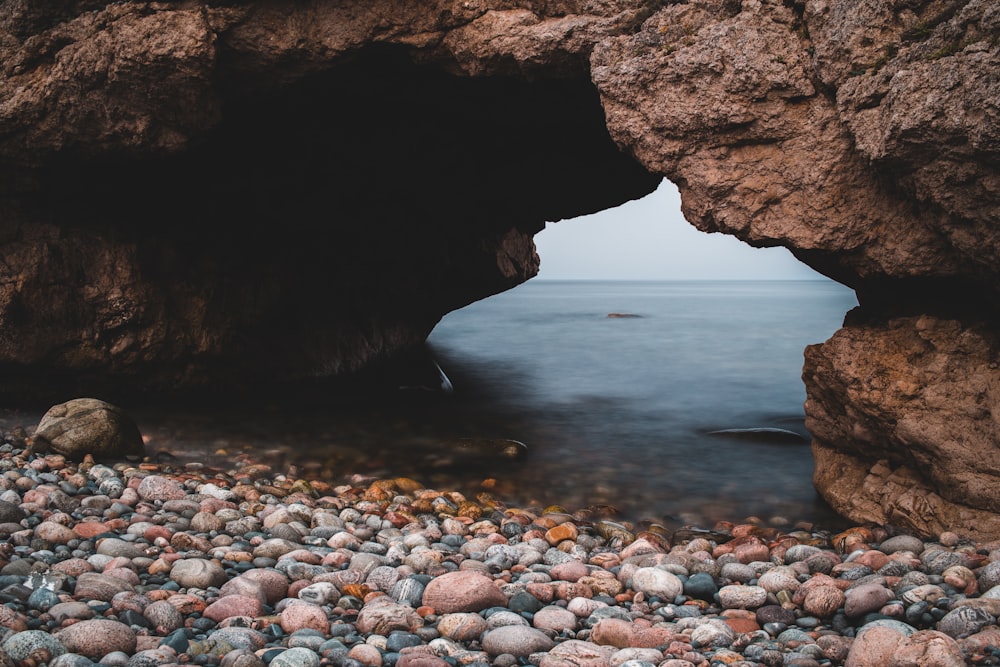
[(903, 415), (196, 192), (88, 426)]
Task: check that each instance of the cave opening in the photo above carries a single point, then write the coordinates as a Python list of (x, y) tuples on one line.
[(327, 225), (671, 387)]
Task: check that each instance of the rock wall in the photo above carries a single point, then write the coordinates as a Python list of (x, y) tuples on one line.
[(198, 192)]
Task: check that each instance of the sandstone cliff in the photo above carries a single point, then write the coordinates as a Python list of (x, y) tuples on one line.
[(203, 191)]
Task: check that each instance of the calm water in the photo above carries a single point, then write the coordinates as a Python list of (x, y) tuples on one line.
[(619, 410), (613, 410)]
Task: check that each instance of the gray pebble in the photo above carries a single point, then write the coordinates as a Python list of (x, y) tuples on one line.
[(519, 640), (965, 621), (23, 644), (296, 657)]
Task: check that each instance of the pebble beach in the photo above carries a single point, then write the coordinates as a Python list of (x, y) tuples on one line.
[(152, 563)]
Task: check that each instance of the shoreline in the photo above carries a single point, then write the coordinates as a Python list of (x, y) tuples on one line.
[(250, 567)]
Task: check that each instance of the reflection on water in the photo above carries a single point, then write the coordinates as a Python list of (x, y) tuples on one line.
[(614, 411)]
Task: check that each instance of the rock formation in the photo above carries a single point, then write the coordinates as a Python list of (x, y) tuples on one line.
[(202, 192)]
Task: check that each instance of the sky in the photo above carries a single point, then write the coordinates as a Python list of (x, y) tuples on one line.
[(649, 239)]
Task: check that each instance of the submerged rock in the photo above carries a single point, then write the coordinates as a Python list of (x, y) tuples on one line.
[(486, 448)]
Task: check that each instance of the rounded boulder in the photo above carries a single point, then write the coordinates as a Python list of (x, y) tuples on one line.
[(463, 590), (88, 426)]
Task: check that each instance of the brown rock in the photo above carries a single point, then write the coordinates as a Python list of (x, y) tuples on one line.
[(835, 647), (163, 617), (874, 647), (156, 487), (928, 647), (234, 605), (13, 620), (570, 571), (564, 531), (461, 627), (421, 660), (366, 654), (73, 567), (273, 583), (244, 587), (925, 404), (381, 615), (198, 573), (86, 530), (823, 601), (556, 619), (187, 604), (576, 653), (612, 632), (97, 637), (464, 590), (302, 615), (518, 640), (99, 586), (866, 598), (54, 533)]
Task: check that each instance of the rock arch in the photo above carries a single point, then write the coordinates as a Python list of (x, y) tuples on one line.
[(205, 191)]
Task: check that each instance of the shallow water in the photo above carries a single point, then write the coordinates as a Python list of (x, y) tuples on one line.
[(615, 411)]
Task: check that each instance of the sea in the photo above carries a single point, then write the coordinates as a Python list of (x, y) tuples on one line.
[(670, 402), (620, 390)]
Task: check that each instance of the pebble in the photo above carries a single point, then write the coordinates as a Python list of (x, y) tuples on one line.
[(657, 582), (233, 605), (198, 573), (517, 640), (295, 657), (302, 615), (464, 590), (11, 513), (380, 616), (742, 597), (866, 598), (575, 652), (147, 564), (97, 637), (22, 645), (554, 618)]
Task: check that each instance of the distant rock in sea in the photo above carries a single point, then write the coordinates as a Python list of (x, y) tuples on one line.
[(622, 315)]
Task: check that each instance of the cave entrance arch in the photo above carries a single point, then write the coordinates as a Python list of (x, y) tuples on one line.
[(319, 228), (620, 380)]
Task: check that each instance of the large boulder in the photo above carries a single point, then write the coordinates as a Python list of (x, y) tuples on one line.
[(905, 426), (85, 426)]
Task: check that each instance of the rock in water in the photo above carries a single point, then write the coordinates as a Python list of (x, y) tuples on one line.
[(88, 426), (487, 447)]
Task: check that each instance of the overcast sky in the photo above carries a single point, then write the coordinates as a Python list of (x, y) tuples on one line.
[(649, 239)]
